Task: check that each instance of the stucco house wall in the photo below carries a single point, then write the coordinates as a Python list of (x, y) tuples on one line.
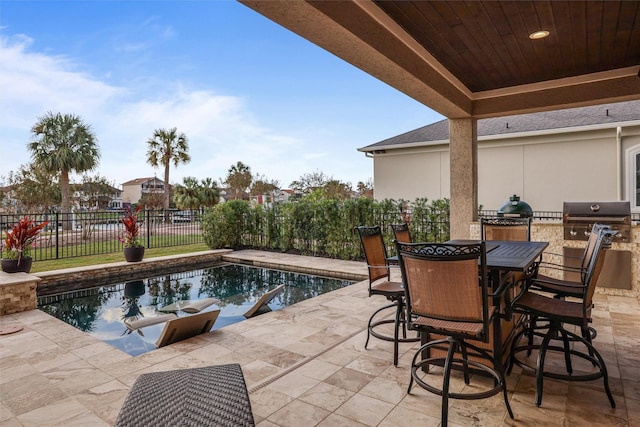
[(544, 167), (133, 190)]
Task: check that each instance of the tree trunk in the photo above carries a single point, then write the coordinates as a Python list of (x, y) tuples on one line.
[(65, 203), (166, 193)]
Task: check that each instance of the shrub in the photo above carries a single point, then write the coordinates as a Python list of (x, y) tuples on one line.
[(223, 226), (320, 226)]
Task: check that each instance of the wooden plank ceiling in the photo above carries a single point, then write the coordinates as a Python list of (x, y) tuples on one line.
[(486, 44), (475, 58)]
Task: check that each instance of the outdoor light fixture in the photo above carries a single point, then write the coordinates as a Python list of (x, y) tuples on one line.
[(538, 35)]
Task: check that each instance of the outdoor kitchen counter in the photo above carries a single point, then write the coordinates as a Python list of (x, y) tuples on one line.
[(552, 232)]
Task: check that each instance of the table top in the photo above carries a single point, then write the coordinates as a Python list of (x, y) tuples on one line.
[(509, 255)]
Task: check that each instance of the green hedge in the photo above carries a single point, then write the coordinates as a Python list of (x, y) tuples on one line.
[(320, 227)]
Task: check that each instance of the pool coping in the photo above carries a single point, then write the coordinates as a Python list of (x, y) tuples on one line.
[(18, 291), (98, 274)]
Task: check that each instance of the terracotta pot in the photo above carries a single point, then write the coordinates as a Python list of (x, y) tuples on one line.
[(11, 265), (134, 254)]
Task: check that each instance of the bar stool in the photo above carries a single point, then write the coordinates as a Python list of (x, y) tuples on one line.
[(380, 283), (561, 312), (447, 294)]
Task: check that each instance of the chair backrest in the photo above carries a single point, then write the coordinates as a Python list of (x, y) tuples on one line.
[(375, 252), (186, 327), (513, 229), (596, 263), (401, 232), (589, 249), (262, 304), (446, 282)]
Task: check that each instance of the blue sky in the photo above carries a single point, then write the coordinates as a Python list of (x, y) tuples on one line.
[(240, 87)]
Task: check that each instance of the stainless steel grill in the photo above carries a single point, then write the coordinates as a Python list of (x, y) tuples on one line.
[(578, 219)]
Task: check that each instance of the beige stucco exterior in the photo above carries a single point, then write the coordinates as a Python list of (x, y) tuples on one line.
[(543, 168), (133, 190)]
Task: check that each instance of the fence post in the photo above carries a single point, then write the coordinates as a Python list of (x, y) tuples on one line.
[(57, 237), (147, 223)]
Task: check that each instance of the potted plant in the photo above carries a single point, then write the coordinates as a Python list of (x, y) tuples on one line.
[(17, 244), (133, 249)]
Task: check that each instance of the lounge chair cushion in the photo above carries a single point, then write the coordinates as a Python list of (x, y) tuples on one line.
[(190, 306), (133, 325)]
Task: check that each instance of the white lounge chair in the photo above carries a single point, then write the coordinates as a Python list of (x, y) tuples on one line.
[(190, 306), (177, 328), (261, 306)]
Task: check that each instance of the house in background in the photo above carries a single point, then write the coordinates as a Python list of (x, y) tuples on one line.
[(7, 202), (580, 154), (132, 191), (87, 196)]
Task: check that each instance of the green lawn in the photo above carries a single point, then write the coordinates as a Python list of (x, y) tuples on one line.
[(58, 264)]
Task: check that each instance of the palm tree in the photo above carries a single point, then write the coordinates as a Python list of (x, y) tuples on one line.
[(62, 144), (210, 195), (239, 179), (165, 147), (188, 195)]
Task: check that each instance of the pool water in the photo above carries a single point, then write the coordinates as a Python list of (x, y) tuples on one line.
[(102, 310)]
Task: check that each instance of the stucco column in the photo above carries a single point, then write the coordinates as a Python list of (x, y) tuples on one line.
[(463, 146)]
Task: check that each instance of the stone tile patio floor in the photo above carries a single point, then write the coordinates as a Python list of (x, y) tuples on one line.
[(304, 365)]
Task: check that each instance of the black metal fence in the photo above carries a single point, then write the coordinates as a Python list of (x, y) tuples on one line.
[(96, 232), (552, 216), (69, 235)]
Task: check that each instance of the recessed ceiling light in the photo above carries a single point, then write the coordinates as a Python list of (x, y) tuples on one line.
[(538, 35)]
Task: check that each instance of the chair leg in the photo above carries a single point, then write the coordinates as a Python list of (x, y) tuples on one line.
[(403, 321), (533, 321), (446, 380), (603, 368), (384, 307), (465, 365), (567, 351), (395, 332), (605, 376), (540, 365), (503, 382), (589, 333)]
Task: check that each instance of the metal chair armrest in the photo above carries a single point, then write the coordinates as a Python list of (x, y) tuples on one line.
[(561, 267)]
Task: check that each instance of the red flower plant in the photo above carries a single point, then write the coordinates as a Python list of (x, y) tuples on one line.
[(131, 227), (20, 238)]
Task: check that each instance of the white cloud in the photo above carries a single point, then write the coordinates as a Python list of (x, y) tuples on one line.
[(221, 128)]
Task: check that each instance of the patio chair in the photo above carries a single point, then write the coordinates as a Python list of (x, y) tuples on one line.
[(177, 328), (401, 232), (380, 283), (561, 288), (512, 229), (447, 294), (561, 312), (261, 306), (568, 288)]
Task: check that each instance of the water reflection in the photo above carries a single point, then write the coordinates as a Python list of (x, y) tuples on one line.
[(102, 310), (131, 298)]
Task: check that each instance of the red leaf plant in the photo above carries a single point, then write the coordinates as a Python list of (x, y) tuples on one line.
[(132, 227), (19, 239)]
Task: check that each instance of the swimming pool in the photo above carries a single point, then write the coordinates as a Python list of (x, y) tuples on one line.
[(102, 310)]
